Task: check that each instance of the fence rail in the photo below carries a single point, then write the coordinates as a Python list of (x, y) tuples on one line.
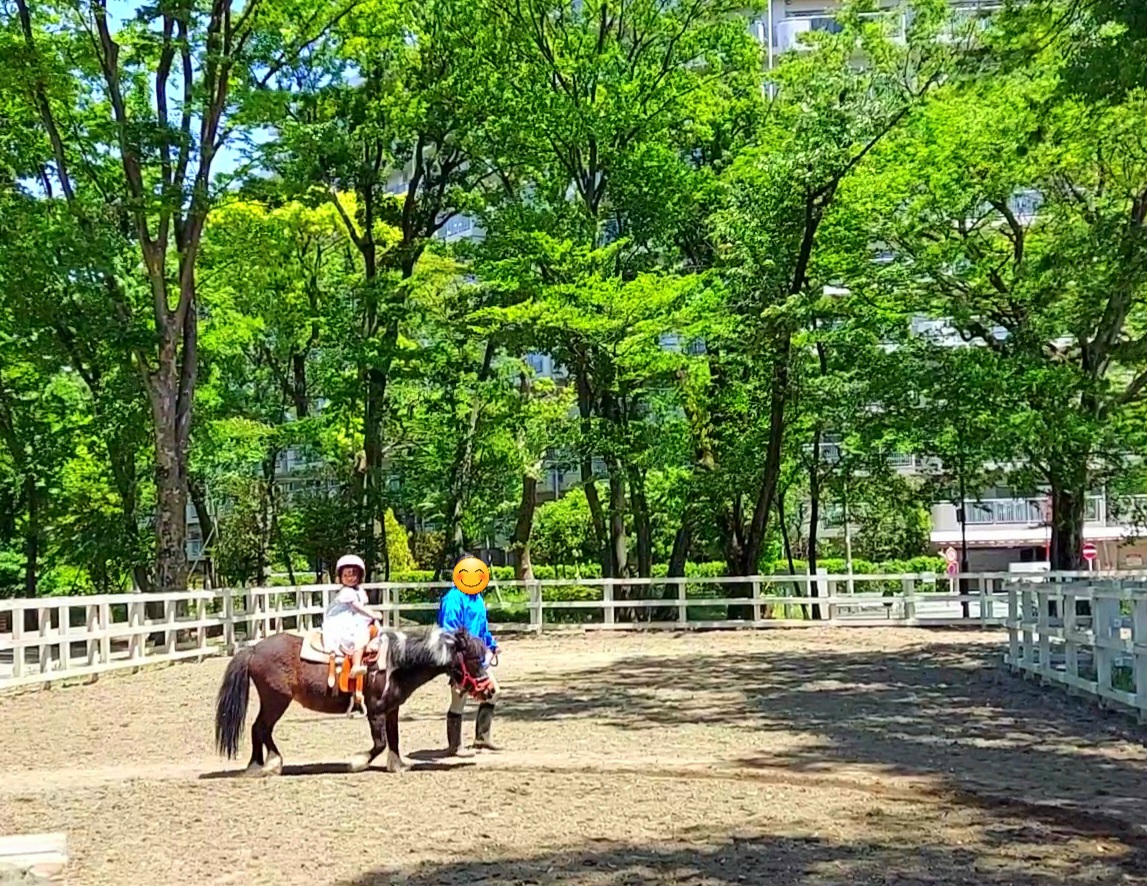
[(1088, 636), (59, 638)]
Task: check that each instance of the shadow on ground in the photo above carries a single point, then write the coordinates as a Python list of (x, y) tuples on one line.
[(419, 762), (785, 861), (946, 710)]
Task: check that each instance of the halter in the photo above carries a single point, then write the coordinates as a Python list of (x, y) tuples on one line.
[(469, 683)]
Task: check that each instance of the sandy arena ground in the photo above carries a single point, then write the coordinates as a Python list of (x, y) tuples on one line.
[(818, 757)]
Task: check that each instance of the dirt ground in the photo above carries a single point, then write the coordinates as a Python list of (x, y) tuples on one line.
[(811, 757)]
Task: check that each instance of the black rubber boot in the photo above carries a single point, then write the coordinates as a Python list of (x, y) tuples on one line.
[(453, 733), (482, 728), (454, 736)]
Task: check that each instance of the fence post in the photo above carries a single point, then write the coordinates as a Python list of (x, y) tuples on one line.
[(92, 618), (385, 599), (1043, 626), (682, 609), (1139, 641), (17, 636), (170, 634), (830, 606), (1070, 644), (1013, 626), (607, 600), (138, 642), (250, 615), (44, 627), (228, 621), (201, 631), (908, 585), (65, 613), (534, 595), (1104, 657), (105, 639), (756, 599), (1026, 610)]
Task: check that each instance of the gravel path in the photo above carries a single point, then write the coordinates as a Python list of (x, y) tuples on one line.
[(810, 757)]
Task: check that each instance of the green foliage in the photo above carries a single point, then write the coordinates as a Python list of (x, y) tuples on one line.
[(728, 279)]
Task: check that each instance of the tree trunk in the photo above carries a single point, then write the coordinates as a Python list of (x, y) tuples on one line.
[(814, 522), (734, 523), (464, 465), (786, 541), (619, 557), (523, 528), (198, 494), (589, 485), (774, 452), (127, 485), (1068, 507), (678, 556), (31, 535), (641, 523), (267, 521), (170, 486)]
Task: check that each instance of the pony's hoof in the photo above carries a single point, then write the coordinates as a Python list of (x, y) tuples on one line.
[(358, 763), (395, 763), (254, 770), (274, 766), (459, 753)]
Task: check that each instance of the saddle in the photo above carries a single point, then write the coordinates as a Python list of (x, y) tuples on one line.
[(316, 651)]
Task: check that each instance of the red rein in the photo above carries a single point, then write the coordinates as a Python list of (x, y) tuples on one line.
[(469, 683)]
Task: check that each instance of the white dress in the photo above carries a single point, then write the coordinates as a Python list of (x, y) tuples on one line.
[(342, 625)]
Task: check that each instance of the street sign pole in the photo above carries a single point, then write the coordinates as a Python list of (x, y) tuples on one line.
[(1090, 554)]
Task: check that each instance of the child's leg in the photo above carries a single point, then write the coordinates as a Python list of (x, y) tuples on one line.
[(356, 661)]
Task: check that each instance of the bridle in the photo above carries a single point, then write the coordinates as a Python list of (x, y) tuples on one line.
[(475, 686)]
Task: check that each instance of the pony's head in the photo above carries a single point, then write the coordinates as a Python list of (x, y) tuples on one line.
[(468, 665)]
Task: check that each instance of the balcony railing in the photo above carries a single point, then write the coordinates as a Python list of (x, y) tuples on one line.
[(1035, 511)]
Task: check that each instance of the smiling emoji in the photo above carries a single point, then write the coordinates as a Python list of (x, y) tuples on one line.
[(471, 575)]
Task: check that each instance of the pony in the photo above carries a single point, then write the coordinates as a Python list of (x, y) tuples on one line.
[(281, 674)]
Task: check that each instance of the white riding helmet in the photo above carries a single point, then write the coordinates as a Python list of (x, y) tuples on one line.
[(350, 560)]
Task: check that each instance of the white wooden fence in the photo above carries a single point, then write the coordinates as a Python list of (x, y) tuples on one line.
[(60, 638), (49, 639), (1086, 634)]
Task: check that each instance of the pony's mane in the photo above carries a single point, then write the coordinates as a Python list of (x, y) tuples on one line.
[(404, 650)]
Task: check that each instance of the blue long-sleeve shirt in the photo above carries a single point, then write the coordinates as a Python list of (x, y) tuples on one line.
[(459, 610)]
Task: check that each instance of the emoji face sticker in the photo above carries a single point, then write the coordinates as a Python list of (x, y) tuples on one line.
[(471, 575)]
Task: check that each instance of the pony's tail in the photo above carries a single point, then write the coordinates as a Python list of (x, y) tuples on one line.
[(231, 703)]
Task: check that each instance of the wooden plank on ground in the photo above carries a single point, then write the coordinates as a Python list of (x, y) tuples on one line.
[(42, 855)]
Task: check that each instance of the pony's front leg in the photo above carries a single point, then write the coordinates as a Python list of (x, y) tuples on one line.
[(359, 762), (376, 716), (394, 761)]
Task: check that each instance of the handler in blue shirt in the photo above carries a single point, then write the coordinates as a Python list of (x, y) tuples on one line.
[(463, 607)]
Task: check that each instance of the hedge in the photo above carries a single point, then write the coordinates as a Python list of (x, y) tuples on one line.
[(508, 605), (715, 569)]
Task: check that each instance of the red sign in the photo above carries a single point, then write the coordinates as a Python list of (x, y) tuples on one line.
[(953, 569), (1089, 552), (950, 555)]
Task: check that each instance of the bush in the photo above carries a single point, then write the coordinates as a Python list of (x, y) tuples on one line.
[(508, 605)]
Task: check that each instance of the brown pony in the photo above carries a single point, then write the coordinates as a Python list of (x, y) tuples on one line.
[(281, 676)]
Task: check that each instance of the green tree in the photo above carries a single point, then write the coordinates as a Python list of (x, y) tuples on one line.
[(132, 139), (1018, 214), (829, 113)]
